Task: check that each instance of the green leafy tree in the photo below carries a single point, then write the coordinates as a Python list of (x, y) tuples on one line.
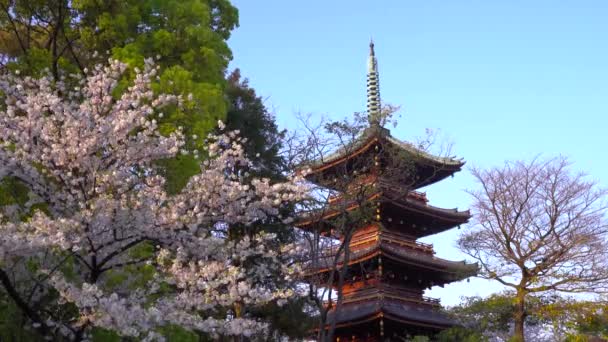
[(460, 334), (248, 114), (548, 318), (482, 319), (187, 37), (575, 320), (188, 40)]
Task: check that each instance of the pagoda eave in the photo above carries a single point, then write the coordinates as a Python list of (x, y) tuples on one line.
[(323, 170), (410, 314), (432, 220), (445, 271)]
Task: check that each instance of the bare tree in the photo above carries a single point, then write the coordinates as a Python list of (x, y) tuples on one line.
[(539, 227), (325, 239)]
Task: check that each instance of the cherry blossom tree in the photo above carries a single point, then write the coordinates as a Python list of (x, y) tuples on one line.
[(96, 200)]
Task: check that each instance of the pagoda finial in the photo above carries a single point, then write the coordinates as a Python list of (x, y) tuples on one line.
[(373, 88)]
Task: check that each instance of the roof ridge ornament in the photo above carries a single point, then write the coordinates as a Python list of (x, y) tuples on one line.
[(373, 88)]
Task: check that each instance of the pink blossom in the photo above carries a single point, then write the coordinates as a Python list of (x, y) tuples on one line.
[(89, 157)]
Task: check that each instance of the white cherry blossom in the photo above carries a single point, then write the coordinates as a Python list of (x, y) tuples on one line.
[(89, 157)]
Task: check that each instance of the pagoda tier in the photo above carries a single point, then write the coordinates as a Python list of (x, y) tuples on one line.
[(379, 310), (383, 288), (406, 212), (413, 167), (376, 251)]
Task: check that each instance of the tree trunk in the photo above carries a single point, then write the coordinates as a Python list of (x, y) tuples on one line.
[(341, 274), (32, 314), (520, 316)]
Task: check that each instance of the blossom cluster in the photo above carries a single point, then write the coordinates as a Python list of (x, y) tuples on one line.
[(88, 153)]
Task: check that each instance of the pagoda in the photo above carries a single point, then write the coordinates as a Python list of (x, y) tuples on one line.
[(387, 269)]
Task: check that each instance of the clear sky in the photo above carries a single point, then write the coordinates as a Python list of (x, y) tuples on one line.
[(503, 80)]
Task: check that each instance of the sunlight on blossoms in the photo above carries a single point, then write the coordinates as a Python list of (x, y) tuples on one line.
[(98, 212)]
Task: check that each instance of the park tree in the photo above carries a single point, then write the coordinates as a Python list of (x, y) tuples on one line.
[(539, 227), (98, 215), (248, 114), (263, 145), (574, 319), (549, 317), (316, 142), (492, 319), (188, 39)]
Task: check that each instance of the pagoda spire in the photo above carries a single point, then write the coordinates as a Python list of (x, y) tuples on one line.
[(373, 88)]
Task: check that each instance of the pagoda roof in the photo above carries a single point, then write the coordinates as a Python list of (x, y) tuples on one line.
[(443, 166), (438, 219), (446, 270), (402, 311)]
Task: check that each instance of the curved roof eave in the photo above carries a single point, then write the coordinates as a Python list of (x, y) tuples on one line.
[(459, 217), (415, 258), (392, 309), (366, 140)]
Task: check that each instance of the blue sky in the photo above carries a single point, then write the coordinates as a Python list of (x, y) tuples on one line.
[(501, 80)]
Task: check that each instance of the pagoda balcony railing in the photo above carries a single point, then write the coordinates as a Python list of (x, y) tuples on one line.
[(367, 293), (365, 242), (420, 246), (328, 254), (414, 195), (372, 238)]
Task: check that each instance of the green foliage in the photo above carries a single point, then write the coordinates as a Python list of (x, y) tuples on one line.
[(569, 319), (289, 320), (130, 276), (142, 250), (68, 268), (494, 313), (178, 171), (43, 207), (490, 316), (460, 334), (178, 334), (595, 323), (247, 114), (15, 193), (104, 335), (576, 338), (576, 318), (12, 191), (188, 38), (12, 321)]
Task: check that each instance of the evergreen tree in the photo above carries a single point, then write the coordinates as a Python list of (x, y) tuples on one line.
[(248, 114)]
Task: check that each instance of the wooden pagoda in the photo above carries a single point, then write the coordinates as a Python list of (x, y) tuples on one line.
[(387, 269)]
